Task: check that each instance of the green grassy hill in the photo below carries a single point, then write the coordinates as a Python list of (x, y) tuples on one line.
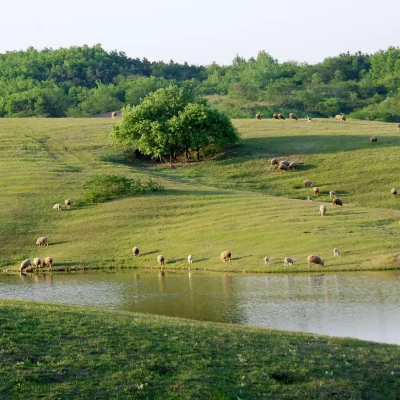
[(236, 202)]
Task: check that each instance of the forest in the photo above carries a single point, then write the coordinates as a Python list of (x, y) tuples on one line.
[(88, 80)]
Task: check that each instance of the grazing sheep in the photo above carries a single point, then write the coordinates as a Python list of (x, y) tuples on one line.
[(161, 260), (336, 252), (373, 139), (266, 260), (42, 241), (288, 261), (332, 193), (275, 116), (281, 116), (283, 167), (286, 162), (190, 259), (113, 114), (293, 116), (316, 191), (136, 251), (226, 255), (47, 262), (322, 210), (24, 265), (57, 207), (315, 260), (258, 116), (394, 192), (37, 263), (67, 203), (310, 198), (398, 126), (340, 118), (293, 165), (274, 161), (308, 183), (337, 202), (309, 119)]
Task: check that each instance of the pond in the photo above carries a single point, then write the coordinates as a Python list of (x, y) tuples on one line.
[(364, 305)]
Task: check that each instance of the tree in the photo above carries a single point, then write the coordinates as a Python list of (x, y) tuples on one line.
[(171, 121)]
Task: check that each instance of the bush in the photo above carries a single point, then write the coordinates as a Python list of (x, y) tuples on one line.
[(107, 187)]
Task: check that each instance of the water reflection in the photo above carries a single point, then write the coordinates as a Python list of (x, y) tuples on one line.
[(362, 305)]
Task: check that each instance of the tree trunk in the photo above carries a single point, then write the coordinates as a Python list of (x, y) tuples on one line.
[(187, 154), (171, 155), (198, 153)]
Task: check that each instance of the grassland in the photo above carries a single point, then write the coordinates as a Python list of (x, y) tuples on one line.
[(59, 352), (236, 201)]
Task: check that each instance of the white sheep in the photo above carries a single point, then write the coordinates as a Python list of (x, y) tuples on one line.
[(57, 207), (37, 262), (161, 259), (67, 203), (266, 260), (24, 265), (42, 241), (190, 259), (136, 251), (336, 252), (322, 210), (48, 261)]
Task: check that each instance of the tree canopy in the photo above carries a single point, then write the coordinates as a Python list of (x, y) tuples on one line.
[(172, 121), (82, 81)]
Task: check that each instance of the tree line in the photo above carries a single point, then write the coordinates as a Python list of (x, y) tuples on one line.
[(82, 81)]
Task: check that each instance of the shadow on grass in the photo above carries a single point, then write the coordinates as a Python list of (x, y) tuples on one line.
[(151, 252), (176, 260), (201, 259)]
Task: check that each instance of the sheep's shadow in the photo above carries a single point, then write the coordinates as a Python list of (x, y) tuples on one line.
[(175, 260), (151, 252), (55, 243), (240, 258), (200, 259)]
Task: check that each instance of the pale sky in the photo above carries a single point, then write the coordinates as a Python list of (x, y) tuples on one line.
[(203, 31)]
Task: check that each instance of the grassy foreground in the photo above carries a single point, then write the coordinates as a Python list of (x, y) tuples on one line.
[(237, 202), (58, 352)]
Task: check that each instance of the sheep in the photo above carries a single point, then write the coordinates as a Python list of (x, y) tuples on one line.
[(24, 265), (266, 260), (332, 193), (288, 261), (309, 119), (113, 114), (286, 162), (274, 161), (42, 241), (293, 165), (275, 116), (283, 167), (335, 252), (136, 251), (340, 118), (310, 198), (308, 183), (316, 191), (37, 263), (394, 192), (67, 203), (398, 126), (281, 116), (373, 139), (322, 210), (315, 260), (258, 116), (48, 262), (293, 116), (161, 260), (57, 207), (226, 255), (337, 202), (190, 259)]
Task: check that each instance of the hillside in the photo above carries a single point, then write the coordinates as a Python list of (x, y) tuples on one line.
[(236, 202)]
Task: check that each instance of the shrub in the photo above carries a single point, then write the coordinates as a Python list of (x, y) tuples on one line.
[(106, 187)]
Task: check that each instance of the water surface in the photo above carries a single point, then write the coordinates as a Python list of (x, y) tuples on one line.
[(364, 305)]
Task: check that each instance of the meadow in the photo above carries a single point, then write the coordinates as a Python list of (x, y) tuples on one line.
[(233, 201), (60, 352)]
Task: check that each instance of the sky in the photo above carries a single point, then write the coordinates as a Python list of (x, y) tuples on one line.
[(203, 31)]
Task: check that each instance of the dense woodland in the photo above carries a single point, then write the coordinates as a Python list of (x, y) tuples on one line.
[(82, 81)]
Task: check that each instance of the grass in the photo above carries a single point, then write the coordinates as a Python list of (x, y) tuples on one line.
[(235, 202), (59, 352)]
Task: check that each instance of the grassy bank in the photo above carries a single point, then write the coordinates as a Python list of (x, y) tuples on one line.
[(235, 203), (59, 352)]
